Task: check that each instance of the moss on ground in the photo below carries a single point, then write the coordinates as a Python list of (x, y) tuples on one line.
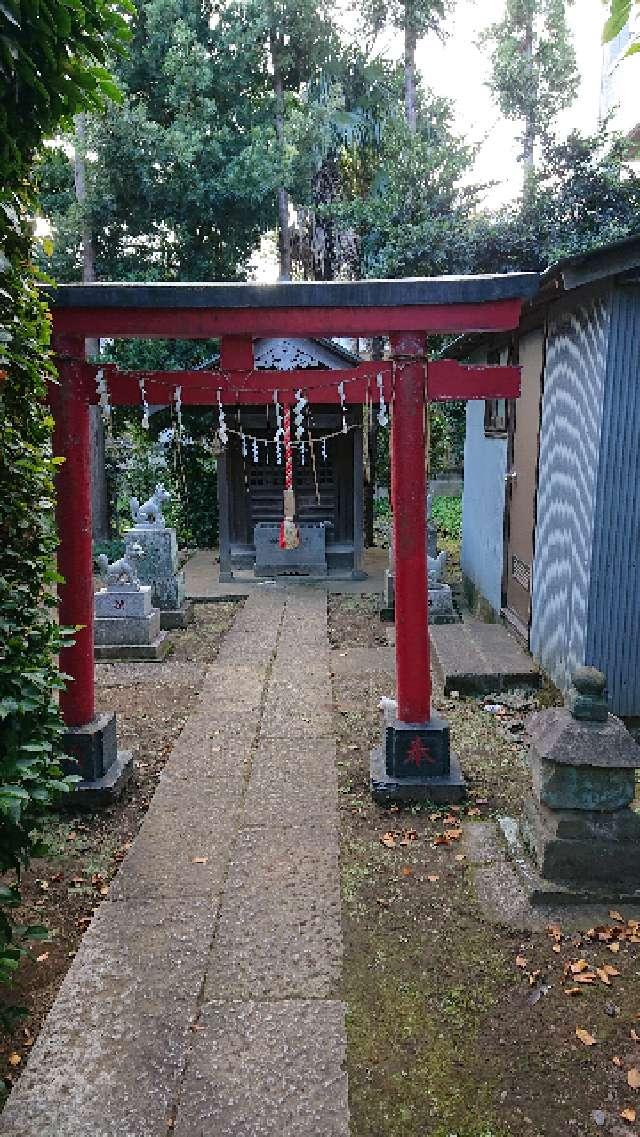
[(457, 1027)]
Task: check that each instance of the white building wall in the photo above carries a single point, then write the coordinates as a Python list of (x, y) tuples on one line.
[(485, 466)]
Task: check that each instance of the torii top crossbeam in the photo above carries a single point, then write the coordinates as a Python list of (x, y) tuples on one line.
[(405, 310), (345, 308)]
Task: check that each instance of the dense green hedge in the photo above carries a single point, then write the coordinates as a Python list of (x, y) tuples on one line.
[(52, 56), (30, 728)]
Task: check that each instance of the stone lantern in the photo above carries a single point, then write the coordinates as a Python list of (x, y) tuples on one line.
[(579, 823)]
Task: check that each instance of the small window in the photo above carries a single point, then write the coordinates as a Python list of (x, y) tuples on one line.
[(495, 418)]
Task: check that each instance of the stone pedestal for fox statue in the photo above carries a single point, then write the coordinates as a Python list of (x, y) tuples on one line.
[(159, 566)]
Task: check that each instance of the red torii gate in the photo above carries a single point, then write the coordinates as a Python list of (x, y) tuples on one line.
[(417, 751)]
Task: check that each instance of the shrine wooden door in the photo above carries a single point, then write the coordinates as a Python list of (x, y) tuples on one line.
[(521, 484)]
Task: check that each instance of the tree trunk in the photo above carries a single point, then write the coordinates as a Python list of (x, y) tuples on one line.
[(529, 137), (284, 246), (99, 496), (410, 40)]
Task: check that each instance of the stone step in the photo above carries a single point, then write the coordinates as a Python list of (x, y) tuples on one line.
[(477, 658)]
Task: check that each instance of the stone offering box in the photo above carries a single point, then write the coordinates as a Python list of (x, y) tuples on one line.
[(126, 626), (159, 569), (309, 559)]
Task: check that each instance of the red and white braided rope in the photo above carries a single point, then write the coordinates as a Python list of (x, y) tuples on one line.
[(288, 450)]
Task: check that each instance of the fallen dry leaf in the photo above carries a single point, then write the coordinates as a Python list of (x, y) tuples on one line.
[(473, 812), (433, 878), (628, 1114), (614, 947), (616, 1061), (633, 1078), (41, 958), (601, 973), (573, 990), (459, 857), (388, 840), (586, 977), (556, 948), (199, 860), (578, 966), (584, 1036), (521, 961), (610, 969), (14, 1059), (613, 915), (407, 871), (635, 1037)]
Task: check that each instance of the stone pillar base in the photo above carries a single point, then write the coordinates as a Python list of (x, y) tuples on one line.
[(104, 771), (93, 746), (104, 790), (414, 763), (385, 789)]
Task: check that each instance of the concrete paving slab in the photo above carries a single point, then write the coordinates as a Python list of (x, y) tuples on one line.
[(177, 855), (473, 657), (293, 784), (240, 839), (110, 1055), (279, 934), (263, 1069)]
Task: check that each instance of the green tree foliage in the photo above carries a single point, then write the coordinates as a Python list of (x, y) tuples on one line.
[(586, 195), (620, 13), (52, 58), (181, 176), (405, 193), (535, 75), (51, 62)]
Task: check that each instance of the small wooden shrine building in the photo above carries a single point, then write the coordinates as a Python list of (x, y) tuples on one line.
[(328, 476)]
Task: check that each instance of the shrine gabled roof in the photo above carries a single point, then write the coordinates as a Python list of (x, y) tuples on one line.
[(293, 294)]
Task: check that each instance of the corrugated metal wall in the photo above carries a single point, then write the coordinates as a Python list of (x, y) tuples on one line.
[(613, 642), (571, 425)]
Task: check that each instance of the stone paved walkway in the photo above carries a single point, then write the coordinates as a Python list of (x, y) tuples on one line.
[(203, 999)]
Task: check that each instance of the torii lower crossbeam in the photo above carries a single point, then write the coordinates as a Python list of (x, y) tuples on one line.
[(415, 761)]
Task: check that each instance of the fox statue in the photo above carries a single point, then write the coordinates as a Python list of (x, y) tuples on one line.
[(149, 513), (123, 571)]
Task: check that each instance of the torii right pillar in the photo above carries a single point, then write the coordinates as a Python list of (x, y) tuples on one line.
[(414, 761)]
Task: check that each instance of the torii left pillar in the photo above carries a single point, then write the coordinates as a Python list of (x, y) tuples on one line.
[(90, 739), (414, 761)]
